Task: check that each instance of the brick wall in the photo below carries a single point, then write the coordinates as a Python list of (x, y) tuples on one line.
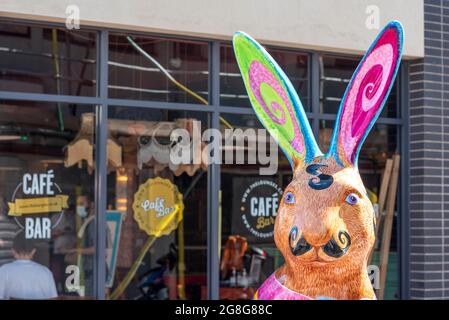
[(429, 158)]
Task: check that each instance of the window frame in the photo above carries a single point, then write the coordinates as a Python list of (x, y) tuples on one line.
[(214, 110)]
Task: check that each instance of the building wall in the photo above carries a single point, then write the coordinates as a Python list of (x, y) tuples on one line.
[(429, 158), (329, 25)]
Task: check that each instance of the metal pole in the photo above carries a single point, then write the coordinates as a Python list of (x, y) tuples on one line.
[(213, 176), (314, 93), (101, 136)]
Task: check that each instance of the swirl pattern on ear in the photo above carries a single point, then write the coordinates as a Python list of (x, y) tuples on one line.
[(273, 99), (366, 94), (365, 100)]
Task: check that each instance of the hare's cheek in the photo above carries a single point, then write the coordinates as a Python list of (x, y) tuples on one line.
[(282, 225), (285, 214), (284, 220), (367, 216), (281, 229), (360, 221), (354, 221)]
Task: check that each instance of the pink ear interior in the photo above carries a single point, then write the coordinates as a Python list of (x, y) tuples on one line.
[(366, 94)]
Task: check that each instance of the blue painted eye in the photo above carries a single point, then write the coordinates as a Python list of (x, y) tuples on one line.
[(352, 199), (289, 198)]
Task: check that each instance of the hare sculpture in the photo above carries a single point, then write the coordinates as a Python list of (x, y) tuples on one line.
[(325, 223)]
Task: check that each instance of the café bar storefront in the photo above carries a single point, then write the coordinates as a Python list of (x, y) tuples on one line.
[(86, 118)]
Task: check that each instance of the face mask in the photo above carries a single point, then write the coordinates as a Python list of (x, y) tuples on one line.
[(81, 211)]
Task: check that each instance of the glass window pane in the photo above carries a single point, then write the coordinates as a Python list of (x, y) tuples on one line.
[(335, 74), (47, 60), (175, 63), (47, 192), (160, 206), (232, 89), (249, 203)]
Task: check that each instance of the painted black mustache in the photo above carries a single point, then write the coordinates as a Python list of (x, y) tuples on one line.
[(301, 246), (331, 248)]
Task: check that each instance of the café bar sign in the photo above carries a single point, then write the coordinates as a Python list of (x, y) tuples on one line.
[(158, 207), (34, 199), (255, 204)]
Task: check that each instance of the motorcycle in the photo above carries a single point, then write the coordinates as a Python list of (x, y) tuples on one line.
[(152, 284)]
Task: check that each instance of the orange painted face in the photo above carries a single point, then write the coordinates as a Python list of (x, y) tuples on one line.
[(325, 216)]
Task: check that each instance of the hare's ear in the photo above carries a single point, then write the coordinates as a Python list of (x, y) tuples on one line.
[(275, 101), (366, 94)]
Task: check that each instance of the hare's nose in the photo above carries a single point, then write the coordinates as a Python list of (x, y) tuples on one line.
[(336, 249)]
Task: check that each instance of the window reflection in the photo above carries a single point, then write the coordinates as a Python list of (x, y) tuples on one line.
[(59, 140), (47, 209), (249, 203), (134, 76), (161, 207), (47, 60)]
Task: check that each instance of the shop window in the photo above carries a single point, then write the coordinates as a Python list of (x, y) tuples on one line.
[(47, 214), (157, 207), (380, 145), (249, 199), (164, 71), (48, 60), (335, 74), (232, 89)]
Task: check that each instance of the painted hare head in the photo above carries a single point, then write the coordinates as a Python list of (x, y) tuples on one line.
[(325, 223)]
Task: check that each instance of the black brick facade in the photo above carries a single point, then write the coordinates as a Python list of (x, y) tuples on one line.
[(429, 158)]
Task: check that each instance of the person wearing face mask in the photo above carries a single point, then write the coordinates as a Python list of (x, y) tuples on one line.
[(82, 205), (86, 233)]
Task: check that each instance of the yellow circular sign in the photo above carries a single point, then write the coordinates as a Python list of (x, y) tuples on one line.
[(158, 207)]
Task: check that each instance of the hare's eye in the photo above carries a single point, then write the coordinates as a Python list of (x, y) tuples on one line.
[(352, 199), (289, 197)]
